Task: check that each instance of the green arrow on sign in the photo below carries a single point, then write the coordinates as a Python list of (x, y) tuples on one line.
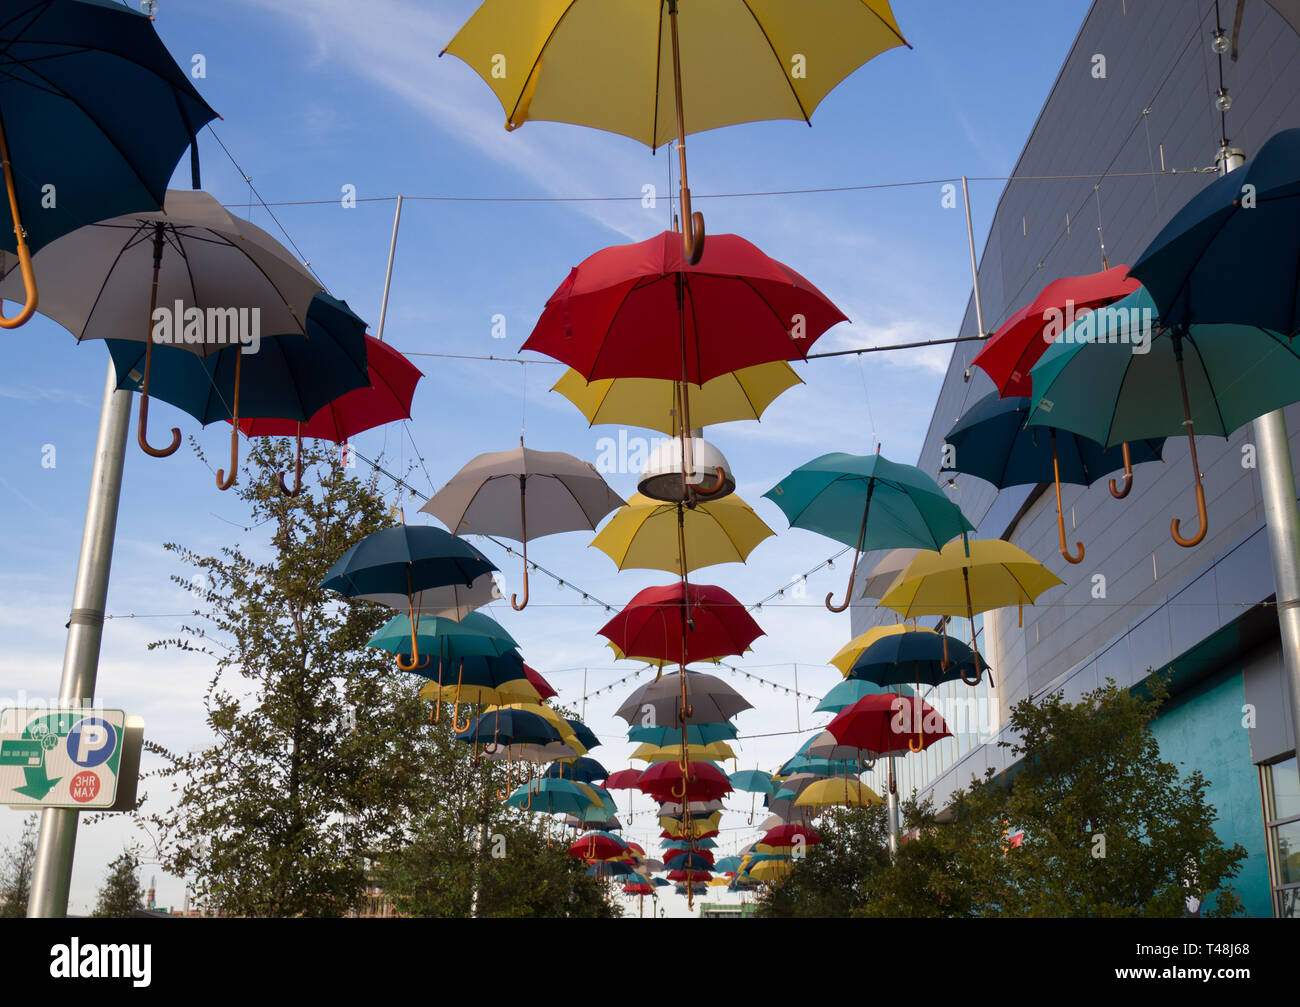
[(38, 784)]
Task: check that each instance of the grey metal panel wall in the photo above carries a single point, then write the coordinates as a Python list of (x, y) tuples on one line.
[(1272, 736), (1159, 89)]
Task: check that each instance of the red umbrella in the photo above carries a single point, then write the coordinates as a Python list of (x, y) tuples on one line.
[(1023, 338), (595, 847), (542, 686), (388, 398), (640, 311), (888, 724), (672, 855), (689, 875), (700, 782), (656, 624), (640, 888), (790, 835), (624, 779)]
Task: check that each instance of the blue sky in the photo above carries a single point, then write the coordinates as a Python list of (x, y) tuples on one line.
[(319, 94)]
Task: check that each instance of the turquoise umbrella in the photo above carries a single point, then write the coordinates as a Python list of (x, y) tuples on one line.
[(845, 694), (476, 635), (1120, 375), (752, 780), (868, 502), (696, 734), (550, 796)]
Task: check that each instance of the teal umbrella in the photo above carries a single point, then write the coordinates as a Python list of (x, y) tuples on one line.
[(845, 694), (868, 502), (752, 781), (1119, 375), (550, 796), (476, 635), (696, 734)]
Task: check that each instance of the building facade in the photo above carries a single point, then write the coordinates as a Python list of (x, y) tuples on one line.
[(1133, 118)]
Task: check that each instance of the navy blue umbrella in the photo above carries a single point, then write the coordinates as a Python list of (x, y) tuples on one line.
[(918, 658), (581, 770), (584, 734), (287, 376), (991, 442), (509, 727), (93, 110)]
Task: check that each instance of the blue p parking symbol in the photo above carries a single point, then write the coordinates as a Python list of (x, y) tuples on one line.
[(91, 741)]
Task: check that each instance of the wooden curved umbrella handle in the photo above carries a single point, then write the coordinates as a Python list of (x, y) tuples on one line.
[(719, 481), (1202, 516), (1119, 494), (979, 676), (693, 233), (515, 603), (142, 427), (224, 482), (20, 236), (1060, 514), (418, 662), (297, 470)]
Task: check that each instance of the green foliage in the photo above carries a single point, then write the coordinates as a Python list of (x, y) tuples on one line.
[(326, 774), (1110, 829), (16, 865), (830, 880), (122, 893)]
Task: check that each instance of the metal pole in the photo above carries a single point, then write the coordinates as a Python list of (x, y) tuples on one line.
[(52, 874), (388, 276), (893, 811), (974, 268), (1281, 515), (796, 699)]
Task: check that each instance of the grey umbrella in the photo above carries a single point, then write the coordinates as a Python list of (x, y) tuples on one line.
[(452, 601), (884, 573), (711, 700), (217, 279), (523, 494), (825, 746)]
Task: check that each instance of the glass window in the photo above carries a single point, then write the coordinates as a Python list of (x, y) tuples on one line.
[(1281, 787), (1285, 801), (1286, 850)]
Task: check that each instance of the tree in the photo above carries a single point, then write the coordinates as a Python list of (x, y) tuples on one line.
[(122, 893), (1110, 829), (322, 755), (830, 880), (16, 865)]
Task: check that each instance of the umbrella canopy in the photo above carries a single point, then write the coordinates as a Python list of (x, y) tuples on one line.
[(889, 725), (709, 697), (651, 535), (550, 797), (726, 62), (652, 402), (598, 846), (623, 779), (542, 686), (1148, 379), (675, 623), (451, 601), (846, 655), (475, 679), (716, 751), (508, 726), (582, 770), (503, 492), (919, 658), (386, 398), (583, 733), (867, 502), (991, 441), (476, 635), (752, 781), (700, 782), (65, 128), (785, 836), (696, 734), (641, 311), (1011, 351), (844, 694), (825, 746)]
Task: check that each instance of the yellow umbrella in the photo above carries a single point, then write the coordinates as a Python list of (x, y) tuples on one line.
[(718, 882), (966, 578), (715, 751), (515, 691), (699, 826), (650, 535), (630, 68), (651, 402), (844, 792), (846, 656), (772, 870)]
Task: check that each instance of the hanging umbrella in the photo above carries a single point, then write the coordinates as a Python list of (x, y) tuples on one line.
[(623, 779), (825, 745), (787, 837), (699, 781), (708, 699), (497, 493), (845, 793), (968, 577), (581, 770), (676, 809), (67, 129), (651, 402), (669, 623), (404, 561), (1011, 351), (846, 655), (217, 281), (629, 71), (920, 658), (992, 442), (1207, 378), (696, 734), (583, 733), (717, 751), (386, 398), (290, 377), (450, 601), (867, 502), (844, 694), (476, 635), (889, 725), (477, 679), (598, 846), (543, 687), (752, 781), (652, 535)]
